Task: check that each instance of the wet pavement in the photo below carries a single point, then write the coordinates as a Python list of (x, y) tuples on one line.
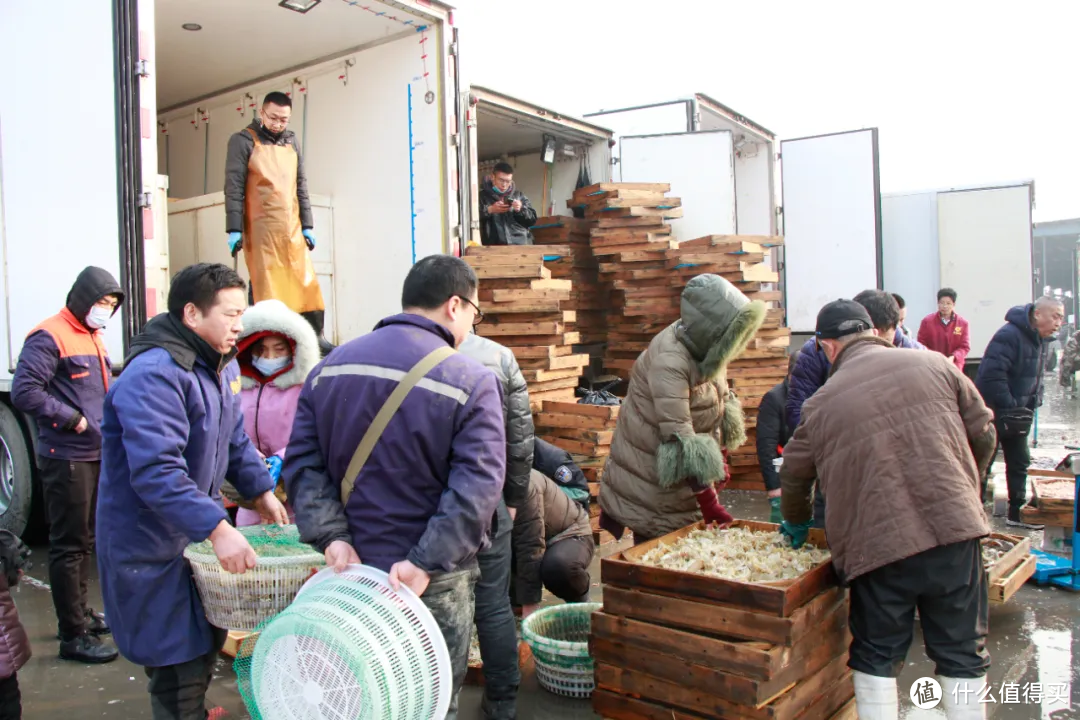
[(1034, 638)]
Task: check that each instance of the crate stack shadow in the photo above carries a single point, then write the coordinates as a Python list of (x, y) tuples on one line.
[(670, 644)]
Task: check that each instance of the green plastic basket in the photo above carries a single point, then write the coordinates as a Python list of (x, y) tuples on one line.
[(559, 639)]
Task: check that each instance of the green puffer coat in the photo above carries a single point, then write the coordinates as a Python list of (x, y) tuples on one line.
[(678, 411)]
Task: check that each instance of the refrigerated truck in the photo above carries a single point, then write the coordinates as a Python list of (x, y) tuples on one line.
[(546, 148), (117, 113), (976, 240), (734, 176)]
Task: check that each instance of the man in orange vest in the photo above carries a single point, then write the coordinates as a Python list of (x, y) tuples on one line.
[(61, 380), (268, 213)]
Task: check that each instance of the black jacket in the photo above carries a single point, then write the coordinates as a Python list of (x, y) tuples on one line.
[(1011, 372), (508, 228), (236, 167), (772, 432), (520, 432)]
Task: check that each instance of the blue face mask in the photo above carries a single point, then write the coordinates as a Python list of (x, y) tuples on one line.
[(270, 366)]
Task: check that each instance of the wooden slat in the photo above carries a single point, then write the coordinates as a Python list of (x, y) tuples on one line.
[(608, 412), (512, 271), (720, 619), (1003, 589)]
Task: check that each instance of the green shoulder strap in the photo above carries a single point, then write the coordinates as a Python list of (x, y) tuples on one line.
[(382, 419)]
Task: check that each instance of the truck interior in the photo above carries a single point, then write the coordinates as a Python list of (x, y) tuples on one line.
[(547, 150), (372, 97)]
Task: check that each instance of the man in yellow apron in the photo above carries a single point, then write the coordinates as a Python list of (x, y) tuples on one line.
[(268, 213)]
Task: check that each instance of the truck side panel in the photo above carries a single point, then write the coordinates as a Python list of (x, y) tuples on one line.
[(985, 243), (59, 177)]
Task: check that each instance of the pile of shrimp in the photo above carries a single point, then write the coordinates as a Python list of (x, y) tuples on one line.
[(737, 553)]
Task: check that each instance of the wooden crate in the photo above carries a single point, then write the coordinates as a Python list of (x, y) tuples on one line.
[(232, 642), (1008, 562), (1042, 479), (781, 599), (1003, 589), (623, 694)]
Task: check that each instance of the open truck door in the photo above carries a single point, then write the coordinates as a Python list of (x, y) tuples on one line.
[(832, 221), (986, 233), (700, 166)]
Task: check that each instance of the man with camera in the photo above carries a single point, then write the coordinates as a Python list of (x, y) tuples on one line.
[(505, 212), (1010, 380)]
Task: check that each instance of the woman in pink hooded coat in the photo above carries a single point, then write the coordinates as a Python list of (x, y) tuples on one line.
[(277, 350)]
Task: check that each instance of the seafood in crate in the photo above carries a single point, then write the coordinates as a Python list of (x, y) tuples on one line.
[(993, 549), (737, 553)]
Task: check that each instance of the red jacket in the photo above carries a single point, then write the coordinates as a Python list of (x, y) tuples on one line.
[(952, 340)]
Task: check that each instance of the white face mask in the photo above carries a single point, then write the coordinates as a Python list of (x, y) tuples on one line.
[(98, 317), (268, 366)]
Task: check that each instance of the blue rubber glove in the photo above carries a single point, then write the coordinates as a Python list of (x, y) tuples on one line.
[(273, 465), (798, 532), (235, 239), (775, 516), (309, 235)]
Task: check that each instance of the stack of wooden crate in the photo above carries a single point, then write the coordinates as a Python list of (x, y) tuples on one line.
[(671, 644), (590, 299), (524, 310), (586, 432), (629, 239)]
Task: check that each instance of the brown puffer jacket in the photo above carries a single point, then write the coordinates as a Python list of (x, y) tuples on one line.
[(547, 515), (678, 411), (14, 645), (893, 437)]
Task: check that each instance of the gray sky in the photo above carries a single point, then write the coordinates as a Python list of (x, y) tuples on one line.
[(961, 95)]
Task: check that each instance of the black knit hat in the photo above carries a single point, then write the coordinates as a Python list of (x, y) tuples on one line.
[(842, 317)]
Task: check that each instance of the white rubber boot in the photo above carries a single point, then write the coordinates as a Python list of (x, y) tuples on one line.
[(960, 698), (875, 697)]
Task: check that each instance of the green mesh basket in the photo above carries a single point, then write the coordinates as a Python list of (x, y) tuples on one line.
[(559, 639), (242, 602), (348, 648)]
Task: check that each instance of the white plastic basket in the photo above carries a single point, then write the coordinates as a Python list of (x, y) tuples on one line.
[(351, 647), (242, 602), (559, 639)]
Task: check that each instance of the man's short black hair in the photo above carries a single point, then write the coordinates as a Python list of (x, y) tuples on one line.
[(436, 279), (899, 300), (946, 293), (200, 284), (883, 310), (504, 168), (277, 98)]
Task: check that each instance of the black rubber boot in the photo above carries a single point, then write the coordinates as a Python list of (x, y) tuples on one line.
[(315, 318)]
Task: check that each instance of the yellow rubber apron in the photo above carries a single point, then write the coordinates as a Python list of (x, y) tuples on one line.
[(275, 251)]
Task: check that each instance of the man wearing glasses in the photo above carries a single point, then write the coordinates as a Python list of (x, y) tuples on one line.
[(268, 213), (413, 497)]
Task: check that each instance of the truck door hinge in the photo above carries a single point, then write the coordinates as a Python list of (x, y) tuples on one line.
[(455, 140), (143, 200), (453, 48), (142, 68)]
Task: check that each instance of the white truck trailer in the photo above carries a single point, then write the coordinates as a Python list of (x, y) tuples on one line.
[(975, 240), (735, 177), (112, 105)]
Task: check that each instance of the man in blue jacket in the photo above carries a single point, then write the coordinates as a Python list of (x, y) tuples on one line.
[(61, 380), (1011, 377), (173, 431), (421, 505)]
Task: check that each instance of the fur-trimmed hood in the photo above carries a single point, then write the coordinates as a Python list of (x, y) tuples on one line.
[(717, 322), (273, 317)]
